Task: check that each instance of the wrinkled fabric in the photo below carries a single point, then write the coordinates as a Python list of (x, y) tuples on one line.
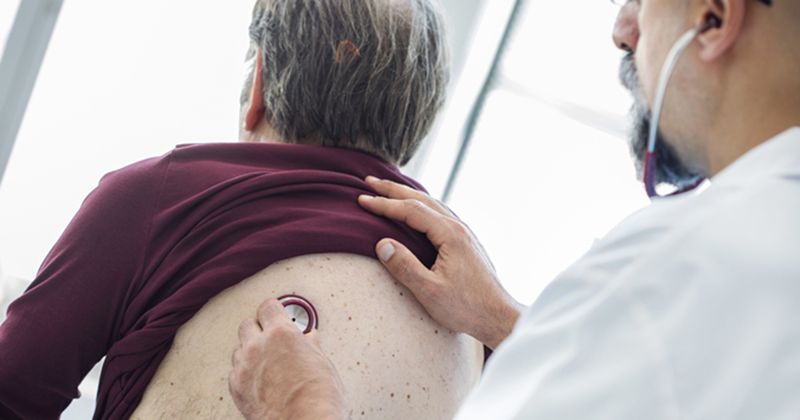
[(158, 239)]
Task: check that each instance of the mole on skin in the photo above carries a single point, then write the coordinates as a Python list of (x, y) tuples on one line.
[(348, 324)]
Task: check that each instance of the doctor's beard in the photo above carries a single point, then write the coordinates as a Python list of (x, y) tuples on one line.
[(670, 168)]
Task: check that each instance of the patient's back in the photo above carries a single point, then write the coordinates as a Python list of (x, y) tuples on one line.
[(395, 362)]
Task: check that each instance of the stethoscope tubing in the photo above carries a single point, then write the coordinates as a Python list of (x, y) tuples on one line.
[(667, 71)]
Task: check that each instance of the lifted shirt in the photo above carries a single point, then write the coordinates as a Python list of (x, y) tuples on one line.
[(156, 240)]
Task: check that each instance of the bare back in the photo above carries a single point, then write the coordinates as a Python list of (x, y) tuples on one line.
[(395, 362)]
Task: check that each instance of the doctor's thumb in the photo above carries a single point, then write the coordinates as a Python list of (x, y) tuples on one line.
[(402, 264)]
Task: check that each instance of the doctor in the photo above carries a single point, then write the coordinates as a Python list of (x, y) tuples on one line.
[(690, 309)]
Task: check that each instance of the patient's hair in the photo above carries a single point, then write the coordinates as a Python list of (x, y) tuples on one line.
[(363, 74)]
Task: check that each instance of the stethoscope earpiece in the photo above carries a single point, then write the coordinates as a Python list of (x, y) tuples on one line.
[(712, 21)]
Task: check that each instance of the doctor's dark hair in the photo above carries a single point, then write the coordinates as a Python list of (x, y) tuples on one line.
[(369, 75)]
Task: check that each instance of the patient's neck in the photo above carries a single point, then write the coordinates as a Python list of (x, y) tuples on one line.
[(265, 133)]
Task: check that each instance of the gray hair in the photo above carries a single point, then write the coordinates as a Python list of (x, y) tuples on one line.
[(363, 74)]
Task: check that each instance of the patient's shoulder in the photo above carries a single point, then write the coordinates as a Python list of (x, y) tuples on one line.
[(144, 170)]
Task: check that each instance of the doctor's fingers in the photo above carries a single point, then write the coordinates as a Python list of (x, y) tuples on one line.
[(248, 328), (270, 314), (406, 268), (416, 214), (397, 191)]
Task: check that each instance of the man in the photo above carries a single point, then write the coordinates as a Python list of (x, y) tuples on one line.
[(687, 310), (167, 256)]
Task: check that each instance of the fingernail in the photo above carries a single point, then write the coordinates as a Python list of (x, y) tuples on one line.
[(365, 197), (372, 179), (386, 252)]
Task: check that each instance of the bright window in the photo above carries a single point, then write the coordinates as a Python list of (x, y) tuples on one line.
[(549, 170), (121, 81), (8, 10)]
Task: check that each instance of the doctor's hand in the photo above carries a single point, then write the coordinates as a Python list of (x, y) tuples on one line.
[(461, 291), (280, 374)]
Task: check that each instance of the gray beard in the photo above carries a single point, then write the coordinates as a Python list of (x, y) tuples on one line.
[(670, 169)]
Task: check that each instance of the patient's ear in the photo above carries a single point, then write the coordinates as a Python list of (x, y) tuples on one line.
[(728, 18), (255, 108)]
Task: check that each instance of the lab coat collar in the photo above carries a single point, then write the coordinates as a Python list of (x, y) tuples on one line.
[(778, 156)]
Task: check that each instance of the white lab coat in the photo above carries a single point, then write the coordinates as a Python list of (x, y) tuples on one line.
[(690, 309)]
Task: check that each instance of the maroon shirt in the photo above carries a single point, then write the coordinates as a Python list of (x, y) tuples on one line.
[(155, 241)]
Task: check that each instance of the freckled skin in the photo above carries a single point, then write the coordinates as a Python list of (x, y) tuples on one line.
[(375, 332)]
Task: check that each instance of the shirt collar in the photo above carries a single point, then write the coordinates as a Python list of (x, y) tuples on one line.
[(775, 157)]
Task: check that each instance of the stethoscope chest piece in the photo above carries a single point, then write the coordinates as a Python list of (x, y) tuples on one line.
[(301, 312)]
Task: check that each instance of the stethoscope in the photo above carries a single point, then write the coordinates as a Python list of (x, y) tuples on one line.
[(301, 312), (667, 70)]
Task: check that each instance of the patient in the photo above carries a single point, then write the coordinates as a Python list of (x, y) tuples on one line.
[(167, 256)]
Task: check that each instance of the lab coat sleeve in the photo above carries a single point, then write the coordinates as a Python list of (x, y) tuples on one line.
[(579, 353), (661, 328), (66, 320)]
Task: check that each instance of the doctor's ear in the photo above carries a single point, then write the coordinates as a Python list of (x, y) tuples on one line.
[(723, 22)]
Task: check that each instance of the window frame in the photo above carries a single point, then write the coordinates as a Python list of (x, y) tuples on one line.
[(22, 59)]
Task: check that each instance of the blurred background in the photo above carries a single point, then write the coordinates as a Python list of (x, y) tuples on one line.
[(534, 95)]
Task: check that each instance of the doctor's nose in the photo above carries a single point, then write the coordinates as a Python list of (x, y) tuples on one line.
[(626, 28)]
